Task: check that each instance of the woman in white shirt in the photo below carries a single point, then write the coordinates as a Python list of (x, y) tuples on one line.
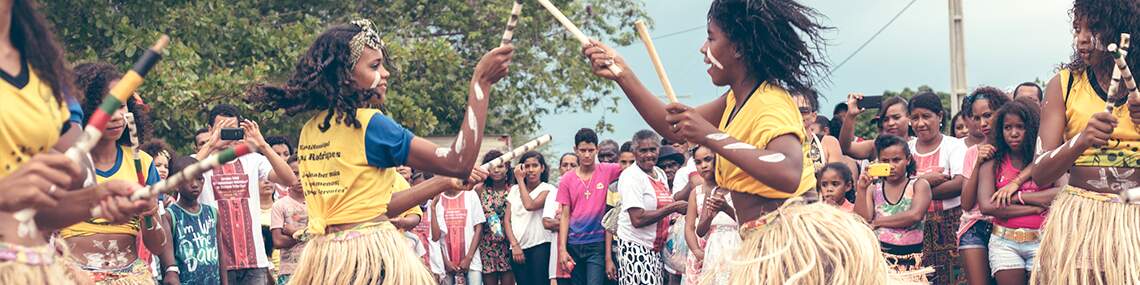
[(647, 204), (530, 241)]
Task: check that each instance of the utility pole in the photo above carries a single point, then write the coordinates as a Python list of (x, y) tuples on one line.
[(957, 57)]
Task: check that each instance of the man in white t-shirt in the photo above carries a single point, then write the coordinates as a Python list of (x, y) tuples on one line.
[(234, 189), (647, 203)]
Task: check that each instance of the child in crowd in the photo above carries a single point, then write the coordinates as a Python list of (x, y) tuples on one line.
[(194, 230), (835, 180), (895, 205), (459, 218), (288, 216), (711, 227)]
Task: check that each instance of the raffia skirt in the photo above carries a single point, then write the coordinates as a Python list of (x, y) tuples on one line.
[(1089, 238), (369, 253), (38, 265)]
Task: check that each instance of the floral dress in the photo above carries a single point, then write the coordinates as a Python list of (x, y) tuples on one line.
[(495, 249)]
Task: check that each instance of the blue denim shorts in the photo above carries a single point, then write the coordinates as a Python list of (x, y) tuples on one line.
[(1007, 254), (978, 236)]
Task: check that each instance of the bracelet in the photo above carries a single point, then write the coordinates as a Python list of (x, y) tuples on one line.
[(172, 268)]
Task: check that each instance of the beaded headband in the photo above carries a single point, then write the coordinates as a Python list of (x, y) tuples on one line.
[(367, 37)]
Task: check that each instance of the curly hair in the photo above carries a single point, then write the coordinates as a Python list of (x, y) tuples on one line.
[(93, 81), (1106, 20), (155, 147), (885, 141), (32, 35), (492, 155), (780, 40), (321, 81), (996, 97), (1030, 116)]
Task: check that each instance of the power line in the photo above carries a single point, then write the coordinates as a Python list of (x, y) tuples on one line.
[(679, 32), (872, 38)]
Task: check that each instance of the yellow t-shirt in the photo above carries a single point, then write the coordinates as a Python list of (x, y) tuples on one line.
[(768, 114), (124, 170), (349, 173), (401, 184), (1081, 102), (31, 120)]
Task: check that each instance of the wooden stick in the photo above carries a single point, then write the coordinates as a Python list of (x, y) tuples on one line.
[(191, 172), (1121, 74), (516, 10), (97, 123), (573, 30), (644, 34), (518, 151)]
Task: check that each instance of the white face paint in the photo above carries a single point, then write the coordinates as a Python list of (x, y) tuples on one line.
[(478, 91), (772, 158), (441, 152), (471, 123), (717, 136), (375, 79), (739, 145), (709, 55)]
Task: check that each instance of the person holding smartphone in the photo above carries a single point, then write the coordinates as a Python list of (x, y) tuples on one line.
[(233, 189)]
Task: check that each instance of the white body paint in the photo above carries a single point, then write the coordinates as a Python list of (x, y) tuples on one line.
[(717, 136), (471, 123), (110, 256), (712, 58), (739, 145), (441, 152), (458, 147), (478, 91), (773, 158)]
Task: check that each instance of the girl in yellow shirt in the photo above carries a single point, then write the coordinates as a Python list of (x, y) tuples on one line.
[(349, 154)]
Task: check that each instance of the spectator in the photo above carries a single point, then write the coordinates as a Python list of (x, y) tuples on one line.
[(582, 194), (607, 151), (530, 242), (670, 160), (459, 217), (194, 228), (289, 216), (645, 214), (1031, 91), (894, 205)]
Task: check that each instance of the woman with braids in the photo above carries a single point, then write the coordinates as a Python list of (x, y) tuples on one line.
[(110, 251), (34, 81), (763, 51), (349, 156), (1091, 236)]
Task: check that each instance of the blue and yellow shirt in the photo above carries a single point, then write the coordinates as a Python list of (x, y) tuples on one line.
[(349, 173), (123, 170), (28, 106)]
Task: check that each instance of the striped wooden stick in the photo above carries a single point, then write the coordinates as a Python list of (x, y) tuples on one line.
[(573, 30), (1122, 74), (97, 123), (516, 10), (170, 185), (518, 151)]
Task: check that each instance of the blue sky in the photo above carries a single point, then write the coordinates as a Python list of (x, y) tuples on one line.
[(1007, 42)]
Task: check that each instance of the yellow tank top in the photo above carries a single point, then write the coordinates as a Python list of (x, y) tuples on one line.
[(29, 110), (123, 170), (768, 113), (341, 186), (1081, 102)]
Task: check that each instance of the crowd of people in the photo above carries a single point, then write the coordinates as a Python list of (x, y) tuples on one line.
[(1029, 185)]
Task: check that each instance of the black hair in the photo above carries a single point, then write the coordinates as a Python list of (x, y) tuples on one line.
[(1040, 93), (545, 176), (929, 101), (823, 121), (1106, 20), (812, 98), (321, 81), (564, 155), (585, 135), (841, 107), (492, 155), (93, 80), (276, 140), (780, 41), (954, 121), (201, 131), (31, 34), (292, 159), (834, 127), (885, 141), (996, 97), (224, 110), (1030, 116), (177, 164), (889, 102), (626, 147), (154, 147), (844, 172)]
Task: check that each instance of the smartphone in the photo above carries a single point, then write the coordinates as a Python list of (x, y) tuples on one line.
[(871, 102), (232, 134), (879, 170)]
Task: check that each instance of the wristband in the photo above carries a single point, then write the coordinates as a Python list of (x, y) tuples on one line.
[(172, 268)]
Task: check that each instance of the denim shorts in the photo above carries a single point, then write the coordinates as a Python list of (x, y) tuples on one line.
[(1007, 254), (977, 236)]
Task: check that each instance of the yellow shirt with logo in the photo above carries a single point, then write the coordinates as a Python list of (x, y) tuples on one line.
[(769, 113), (1081, 102), (349, 173), (29, 108)]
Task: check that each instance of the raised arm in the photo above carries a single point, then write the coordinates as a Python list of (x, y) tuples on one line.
[(856, 150), (458, 160)]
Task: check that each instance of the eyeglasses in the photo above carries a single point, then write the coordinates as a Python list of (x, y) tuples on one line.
[(805, 110)]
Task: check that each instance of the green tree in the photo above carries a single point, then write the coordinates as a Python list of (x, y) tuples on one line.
[(866, 129), (220, 48)]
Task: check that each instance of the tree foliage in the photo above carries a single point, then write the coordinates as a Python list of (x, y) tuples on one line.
[(220, 48)]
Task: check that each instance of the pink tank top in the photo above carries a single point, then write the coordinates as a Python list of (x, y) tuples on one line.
[(1006, 174)]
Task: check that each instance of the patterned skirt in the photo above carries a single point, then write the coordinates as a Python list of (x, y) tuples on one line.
[(640, 265), (940, 245)]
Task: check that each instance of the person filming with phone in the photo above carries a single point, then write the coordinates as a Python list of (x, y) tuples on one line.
[(233, 189)]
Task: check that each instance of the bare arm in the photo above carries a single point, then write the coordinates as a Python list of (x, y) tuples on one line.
[(413, 197), (641, 218), (435, 229), (563, 227), (834, 152), (510, 232), (919, 203), (1055, 161), (986, 189), (949, 189), (970, 188), (856, 150), (691, 223), (476, 238), (864, 203), (780, 165), (281, 239), (531, 204), (406, 223)]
